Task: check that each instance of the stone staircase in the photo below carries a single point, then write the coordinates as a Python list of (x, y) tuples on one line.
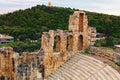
[(82, 67)]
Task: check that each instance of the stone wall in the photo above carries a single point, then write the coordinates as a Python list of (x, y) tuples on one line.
[(105, 53), (25, 67), (60, 45), (92, 36), (117, 50), (7, 64)]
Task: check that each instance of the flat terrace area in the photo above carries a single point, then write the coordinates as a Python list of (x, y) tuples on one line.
[(82, 67)]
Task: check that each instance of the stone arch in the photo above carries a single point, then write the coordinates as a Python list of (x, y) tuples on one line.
[(57, 43), (81, 15), (80, 42), (69, 43)]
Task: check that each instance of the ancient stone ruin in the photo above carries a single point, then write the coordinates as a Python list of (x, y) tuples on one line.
[(7, 64), (57, 48), (60, 45), (25, 67)]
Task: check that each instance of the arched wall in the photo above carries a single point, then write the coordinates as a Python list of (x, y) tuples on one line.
[(57, 43)]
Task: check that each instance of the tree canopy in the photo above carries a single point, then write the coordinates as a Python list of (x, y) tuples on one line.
[(29, 24)]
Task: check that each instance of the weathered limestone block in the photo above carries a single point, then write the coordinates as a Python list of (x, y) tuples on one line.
[(28, 66), (7, 63), (92, 36), (117, 59)]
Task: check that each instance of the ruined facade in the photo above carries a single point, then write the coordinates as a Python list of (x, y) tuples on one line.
[(16, 67), (60, 45), (57, 47)]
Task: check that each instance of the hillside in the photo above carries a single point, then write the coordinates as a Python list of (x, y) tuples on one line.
[(29, 24)]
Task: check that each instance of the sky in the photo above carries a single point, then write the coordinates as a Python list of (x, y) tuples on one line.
[(111, 7)]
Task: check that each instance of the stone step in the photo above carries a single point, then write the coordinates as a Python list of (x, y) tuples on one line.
[(103, 72), (70, 71), (59, 77), (111, 73), (108, 73), (63, 74), (76, 71), (97, 62), (91, 64), (82, 67)]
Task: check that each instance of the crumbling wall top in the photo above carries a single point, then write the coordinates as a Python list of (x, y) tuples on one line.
[(78, 12)]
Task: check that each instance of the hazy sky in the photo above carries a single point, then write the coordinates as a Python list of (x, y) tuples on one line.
[(102, 6)]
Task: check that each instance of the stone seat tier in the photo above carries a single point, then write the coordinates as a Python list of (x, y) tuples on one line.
[(82, 67)]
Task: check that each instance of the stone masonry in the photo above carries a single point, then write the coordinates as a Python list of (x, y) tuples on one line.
[(7, 64), (60, 45), (15, 67), (57, 47), (105, 53)]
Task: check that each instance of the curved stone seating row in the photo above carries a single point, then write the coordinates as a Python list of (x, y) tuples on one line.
[(82, 67)]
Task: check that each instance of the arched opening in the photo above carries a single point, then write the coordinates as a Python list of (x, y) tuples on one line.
[(80, 42), (81, 22), (57, 42), (70, 43), (13, 64)]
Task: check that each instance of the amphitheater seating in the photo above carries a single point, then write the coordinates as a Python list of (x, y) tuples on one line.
[(82, 67)]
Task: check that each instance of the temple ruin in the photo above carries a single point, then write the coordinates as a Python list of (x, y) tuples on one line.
[(57, 48)]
